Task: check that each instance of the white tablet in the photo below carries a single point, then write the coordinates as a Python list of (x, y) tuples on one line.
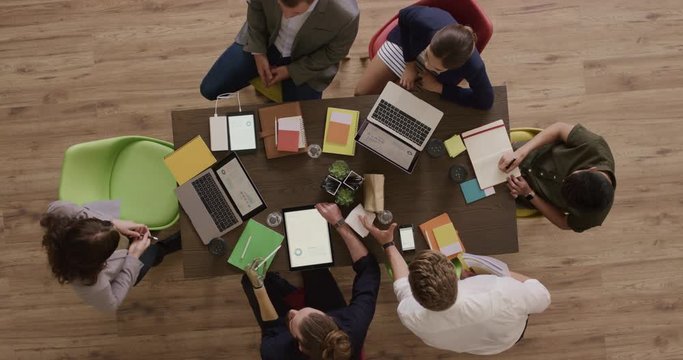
[(308, 238), (242, 130)]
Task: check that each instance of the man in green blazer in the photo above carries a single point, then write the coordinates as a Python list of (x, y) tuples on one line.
[(297, 43)]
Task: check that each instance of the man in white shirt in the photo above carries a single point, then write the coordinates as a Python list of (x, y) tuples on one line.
[(481, 315), (295, 43)]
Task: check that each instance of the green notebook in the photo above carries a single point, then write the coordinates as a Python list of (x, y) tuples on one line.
[(263, 242)]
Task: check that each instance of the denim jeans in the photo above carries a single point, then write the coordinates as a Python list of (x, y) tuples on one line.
[(235, 67)]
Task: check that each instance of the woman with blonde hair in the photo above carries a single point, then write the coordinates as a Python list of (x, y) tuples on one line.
[(430, 49), (325, 327)]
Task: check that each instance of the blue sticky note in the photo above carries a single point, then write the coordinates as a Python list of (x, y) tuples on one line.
[(472, 192)]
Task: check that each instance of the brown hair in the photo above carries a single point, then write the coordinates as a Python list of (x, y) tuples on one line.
[(453, 45), (77, 249), (321, 338), (293, 3), (433, 281)]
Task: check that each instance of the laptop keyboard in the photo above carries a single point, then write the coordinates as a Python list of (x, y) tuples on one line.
[(401, 122), (215, 204)]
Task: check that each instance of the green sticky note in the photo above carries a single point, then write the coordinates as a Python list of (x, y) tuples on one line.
[(263, 242), (454, 146)]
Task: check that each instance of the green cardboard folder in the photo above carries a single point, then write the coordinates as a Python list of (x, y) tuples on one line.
[(263, 242)]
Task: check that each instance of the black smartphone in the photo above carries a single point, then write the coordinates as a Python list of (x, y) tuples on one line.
[(407, 237)]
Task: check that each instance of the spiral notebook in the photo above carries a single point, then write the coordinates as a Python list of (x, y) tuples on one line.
[(268, 121), (290, 135)]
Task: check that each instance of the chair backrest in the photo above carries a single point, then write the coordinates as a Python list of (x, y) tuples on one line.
[(466, 12)]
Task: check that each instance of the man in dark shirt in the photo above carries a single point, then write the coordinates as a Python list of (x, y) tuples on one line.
[(326, 327), (567, 174)]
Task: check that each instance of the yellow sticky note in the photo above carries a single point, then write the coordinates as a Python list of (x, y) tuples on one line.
[(448, 239), (454, 146), (189, 160)]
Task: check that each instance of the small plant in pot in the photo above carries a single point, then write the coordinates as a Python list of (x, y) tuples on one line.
[(331, 185), (353, 181), (344, 197), (339, 169)]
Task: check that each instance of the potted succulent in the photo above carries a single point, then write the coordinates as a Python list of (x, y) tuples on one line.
[(342, 183), (344, 197), (339, 169), (331, 185)]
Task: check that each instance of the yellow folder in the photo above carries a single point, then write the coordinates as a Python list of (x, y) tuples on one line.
[(189, 160), (273, 93), (340, 120)]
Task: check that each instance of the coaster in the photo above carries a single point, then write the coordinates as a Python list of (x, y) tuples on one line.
[(457, 173), (217, 246), (435, 148)]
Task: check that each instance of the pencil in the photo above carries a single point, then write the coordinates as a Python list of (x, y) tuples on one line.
[(268, 257), (245, 248), (510, 164)]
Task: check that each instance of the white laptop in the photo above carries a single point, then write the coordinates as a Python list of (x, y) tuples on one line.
[(399, 126)]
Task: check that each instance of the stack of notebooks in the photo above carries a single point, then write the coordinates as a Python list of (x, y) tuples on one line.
[(290, 135), (271, 126), (442, 236)]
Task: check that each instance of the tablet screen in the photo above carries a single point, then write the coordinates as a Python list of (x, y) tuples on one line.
[(242, 132), (239, 187), (308, 238)]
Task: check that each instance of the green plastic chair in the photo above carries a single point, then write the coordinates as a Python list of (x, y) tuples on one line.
[(521, 135), (126, 168)]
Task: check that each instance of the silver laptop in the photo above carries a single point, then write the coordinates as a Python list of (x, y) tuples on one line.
[(399, 126), (220, 198)]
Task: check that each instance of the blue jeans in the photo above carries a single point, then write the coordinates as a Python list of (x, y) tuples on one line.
[(235, 67)]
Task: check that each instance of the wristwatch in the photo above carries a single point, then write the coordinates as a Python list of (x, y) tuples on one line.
[(339, 223), (529, 196), (387, 245)]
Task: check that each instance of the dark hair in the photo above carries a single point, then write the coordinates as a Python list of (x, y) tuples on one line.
[(453, 45), (321, 338), (293, 3), (77, 249), (587, 190), (433, 281)]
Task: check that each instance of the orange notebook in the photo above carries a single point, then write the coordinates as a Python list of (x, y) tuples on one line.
[(268, 118), (427, 229)]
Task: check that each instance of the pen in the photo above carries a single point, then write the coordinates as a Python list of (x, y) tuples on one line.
[(245, 248), (510, 164), (268, 257)]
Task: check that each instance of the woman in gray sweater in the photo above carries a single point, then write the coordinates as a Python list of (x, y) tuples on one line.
[(81, 244)]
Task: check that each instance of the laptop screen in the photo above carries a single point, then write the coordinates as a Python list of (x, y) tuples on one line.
[(240, 189)]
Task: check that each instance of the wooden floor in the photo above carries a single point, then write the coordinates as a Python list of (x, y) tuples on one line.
[(79, 70)]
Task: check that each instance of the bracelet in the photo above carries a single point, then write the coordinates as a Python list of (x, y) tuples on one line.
[(339, 223), (387, 245), (529, 196)]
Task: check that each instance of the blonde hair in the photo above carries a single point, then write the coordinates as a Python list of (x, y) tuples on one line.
[(453, 44), (321, 338), (433, 281)]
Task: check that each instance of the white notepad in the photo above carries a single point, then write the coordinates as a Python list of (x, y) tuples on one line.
[(485, 146), (354, 222)]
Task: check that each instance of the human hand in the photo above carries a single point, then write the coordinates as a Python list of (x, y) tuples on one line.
[(130, 229), (137, 247), (511, 160), (263, 68), (381, 236), (279, 73), (330, 212), (252, 273), (409, 76), (430, 83), (518, 186)]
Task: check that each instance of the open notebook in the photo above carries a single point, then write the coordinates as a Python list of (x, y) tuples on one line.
[(485, 145)]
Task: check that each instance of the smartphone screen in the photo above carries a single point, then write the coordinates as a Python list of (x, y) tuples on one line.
[(407, 237), (242, 131)]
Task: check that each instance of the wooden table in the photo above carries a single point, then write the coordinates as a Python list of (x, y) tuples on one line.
[(487, 226)]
